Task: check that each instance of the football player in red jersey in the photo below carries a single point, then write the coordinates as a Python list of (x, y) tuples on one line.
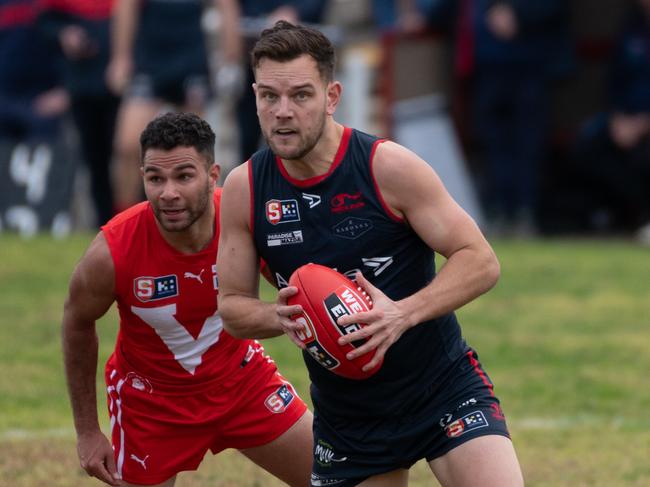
[(178, 385), (431, 398)]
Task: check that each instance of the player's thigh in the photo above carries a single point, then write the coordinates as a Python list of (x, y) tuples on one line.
[(489, 461), (396, 478), (288, 457), (167, 483), (133, 116)]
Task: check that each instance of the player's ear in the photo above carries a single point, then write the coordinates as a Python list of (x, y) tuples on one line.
[(334, 89), (214, 172)]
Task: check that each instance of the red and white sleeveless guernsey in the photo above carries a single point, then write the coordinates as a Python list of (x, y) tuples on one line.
[(171, 336)]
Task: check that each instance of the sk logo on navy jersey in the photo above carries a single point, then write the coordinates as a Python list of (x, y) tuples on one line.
[(152, 288), (282, 211)]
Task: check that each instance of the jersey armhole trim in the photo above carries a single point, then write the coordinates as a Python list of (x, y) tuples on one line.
[(251, 210), (384, 205)]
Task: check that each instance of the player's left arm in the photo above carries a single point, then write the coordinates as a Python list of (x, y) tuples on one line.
[(412, 190)]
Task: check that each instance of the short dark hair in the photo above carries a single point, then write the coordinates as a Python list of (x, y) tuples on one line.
[(173, 130), (286, 42)]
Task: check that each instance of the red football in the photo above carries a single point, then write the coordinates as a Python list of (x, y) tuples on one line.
[(325, 295)]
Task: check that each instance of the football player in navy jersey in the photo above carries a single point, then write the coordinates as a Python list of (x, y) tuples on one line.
[(325, 193)]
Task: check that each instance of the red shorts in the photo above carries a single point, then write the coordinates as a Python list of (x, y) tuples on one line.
[(156, 434)]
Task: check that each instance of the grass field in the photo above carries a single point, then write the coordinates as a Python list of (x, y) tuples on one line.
[(565, 336)]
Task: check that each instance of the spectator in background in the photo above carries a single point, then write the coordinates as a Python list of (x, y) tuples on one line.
[(160, 59), (268, 11), (31, 97), (613, 150), (403, 15), (518, 47), (81, 29)]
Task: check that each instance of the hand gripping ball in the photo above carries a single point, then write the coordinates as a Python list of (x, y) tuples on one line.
[(325, 295)]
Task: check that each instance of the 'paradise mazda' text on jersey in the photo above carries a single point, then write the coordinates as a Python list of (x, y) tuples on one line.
[(170, 330), (340, 220)]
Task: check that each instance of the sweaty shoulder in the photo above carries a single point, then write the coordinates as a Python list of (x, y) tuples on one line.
[(401, 175), (95, 262)]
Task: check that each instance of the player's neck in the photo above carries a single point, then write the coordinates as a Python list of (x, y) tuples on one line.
[(196, 237), (319, 160)]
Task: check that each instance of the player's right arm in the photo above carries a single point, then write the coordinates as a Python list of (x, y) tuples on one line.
[(90, 295), (244, 314)]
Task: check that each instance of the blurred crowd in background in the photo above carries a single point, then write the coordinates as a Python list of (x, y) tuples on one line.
[(543, 105)]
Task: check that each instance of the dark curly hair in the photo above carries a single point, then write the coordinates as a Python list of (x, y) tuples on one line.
[(173, 130), (286, 42)]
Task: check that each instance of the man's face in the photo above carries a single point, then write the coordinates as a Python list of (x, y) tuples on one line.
[(179, 186), (292, 105)]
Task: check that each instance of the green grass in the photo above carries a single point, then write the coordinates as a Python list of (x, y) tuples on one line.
[(565, 337)]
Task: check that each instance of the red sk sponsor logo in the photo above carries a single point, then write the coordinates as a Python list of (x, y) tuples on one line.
[(282, 211), (279, 400), (148, 288), (455, 429), (275, 404), (144, 288)]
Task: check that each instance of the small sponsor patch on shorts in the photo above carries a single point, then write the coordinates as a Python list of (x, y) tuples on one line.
[(279, 400), (318, 481), (467, 423)]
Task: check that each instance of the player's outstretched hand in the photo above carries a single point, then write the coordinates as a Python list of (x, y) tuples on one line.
[(286, 311), (385, 324), (96, 457)]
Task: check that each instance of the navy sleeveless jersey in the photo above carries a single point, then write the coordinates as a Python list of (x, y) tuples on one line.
[(341, 221)]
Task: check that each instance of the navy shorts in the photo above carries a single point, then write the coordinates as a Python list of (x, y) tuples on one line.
[(347, 451), (192, 89)]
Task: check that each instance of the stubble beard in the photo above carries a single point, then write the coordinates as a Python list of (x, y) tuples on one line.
[(193, 214), (303, 148)]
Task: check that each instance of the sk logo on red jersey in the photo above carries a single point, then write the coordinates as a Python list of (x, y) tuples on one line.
[(153, 288)]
